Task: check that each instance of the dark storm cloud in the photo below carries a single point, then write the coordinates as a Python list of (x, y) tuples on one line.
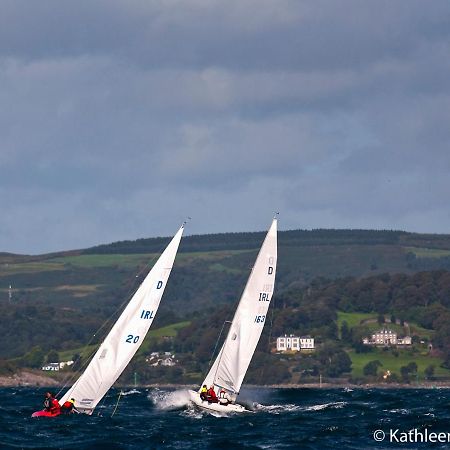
[(118, 119)]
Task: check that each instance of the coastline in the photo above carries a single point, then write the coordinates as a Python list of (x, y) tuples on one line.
[(27, 379), (32, 379)]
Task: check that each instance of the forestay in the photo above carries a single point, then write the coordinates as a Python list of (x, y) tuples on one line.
[(126, 335), (230, 366)]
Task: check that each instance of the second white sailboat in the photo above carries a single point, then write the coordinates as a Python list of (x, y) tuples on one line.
[(228, 371)]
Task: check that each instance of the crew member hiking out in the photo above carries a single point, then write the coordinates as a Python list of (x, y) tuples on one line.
[(68, 407)]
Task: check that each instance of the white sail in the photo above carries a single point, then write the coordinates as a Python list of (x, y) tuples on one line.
[(231, 364), (126, 335)]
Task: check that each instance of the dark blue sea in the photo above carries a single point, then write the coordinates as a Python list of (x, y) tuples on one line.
[(283, 419)]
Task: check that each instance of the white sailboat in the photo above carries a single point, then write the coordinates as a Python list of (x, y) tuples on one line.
[(229, 368), (125, 337)]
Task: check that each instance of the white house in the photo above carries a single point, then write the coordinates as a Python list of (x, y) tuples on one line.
[(63, 364), (168, 362), (51, 367), (387, 338), (294, 343), (165, 359)]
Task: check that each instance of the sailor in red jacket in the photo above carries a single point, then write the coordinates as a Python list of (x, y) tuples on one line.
[(211, 395), (51, 404), (68, 407)]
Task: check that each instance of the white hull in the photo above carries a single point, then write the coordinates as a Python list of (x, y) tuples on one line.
[(216, 407)]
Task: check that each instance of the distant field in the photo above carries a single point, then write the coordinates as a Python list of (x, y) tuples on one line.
[(132, 260), (11, 268), (354, 319), (392, 363), (79, 290), (428, 252)]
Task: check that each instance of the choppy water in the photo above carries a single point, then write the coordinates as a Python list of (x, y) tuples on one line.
[(284, 419)]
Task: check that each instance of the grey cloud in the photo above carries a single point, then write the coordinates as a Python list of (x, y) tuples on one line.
[(233, 34), (118, 119)]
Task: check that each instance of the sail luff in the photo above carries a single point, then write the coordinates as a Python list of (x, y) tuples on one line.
[(126, 336), (231, 364)]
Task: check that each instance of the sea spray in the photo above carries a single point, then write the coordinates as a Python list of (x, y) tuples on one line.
[(171, 400)]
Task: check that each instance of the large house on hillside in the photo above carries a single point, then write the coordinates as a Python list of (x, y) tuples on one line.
[(294, 343), (387, 338)]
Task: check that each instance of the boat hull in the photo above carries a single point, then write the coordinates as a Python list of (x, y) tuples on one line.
[(44, 414), (216, 407)]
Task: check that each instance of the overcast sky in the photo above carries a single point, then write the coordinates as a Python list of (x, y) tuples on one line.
[(120, 118)]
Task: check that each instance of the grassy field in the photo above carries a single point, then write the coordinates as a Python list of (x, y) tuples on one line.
[(132, 260), (31, 267), (393, 363), (354, 319), (428, 252)]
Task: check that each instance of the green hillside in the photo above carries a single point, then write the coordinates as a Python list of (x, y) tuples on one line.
[(59, 300)]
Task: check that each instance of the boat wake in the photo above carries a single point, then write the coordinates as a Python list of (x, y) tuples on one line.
[(276, 409), (194, 412), (169, 401), (287, 408)]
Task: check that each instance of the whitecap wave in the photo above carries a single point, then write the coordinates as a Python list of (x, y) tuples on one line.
[(278, 409), (336, 405), (171, 400), (132, 391)]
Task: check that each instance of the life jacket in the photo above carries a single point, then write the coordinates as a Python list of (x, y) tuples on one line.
[(212, 393), (204, 390), (54, 405), (68, 405)]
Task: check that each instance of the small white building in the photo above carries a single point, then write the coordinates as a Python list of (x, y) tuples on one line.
[(164, 359), (54, 367), (404, 341), (169, 362), (63, 364), (294, 343)]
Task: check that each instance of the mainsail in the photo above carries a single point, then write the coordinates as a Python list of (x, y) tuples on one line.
[(231, 364), (126, 335)]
